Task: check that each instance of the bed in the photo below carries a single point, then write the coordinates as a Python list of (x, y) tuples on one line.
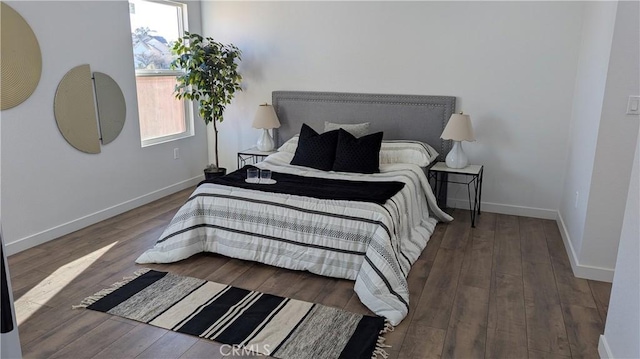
[(324, 229)]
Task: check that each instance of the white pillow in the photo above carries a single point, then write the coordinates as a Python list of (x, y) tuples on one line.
[(412, 152), (290, 146), (357, 129)]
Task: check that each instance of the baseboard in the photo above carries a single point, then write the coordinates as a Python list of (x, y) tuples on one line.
[(506, 209), (82, 222), (581, 270), (603, 348)]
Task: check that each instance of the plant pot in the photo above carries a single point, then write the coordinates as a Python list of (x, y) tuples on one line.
[(210, 173)]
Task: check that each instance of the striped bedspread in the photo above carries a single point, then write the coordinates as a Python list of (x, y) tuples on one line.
[(373, 244)]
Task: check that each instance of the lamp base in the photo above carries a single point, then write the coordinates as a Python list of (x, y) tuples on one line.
[(265, 142), (456, 157)]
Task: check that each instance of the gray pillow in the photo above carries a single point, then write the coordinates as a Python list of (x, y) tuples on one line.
[(356, 129)]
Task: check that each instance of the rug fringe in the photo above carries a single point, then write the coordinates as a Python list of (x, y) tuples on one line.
[(379, 351), (103, 293), (388, 327)]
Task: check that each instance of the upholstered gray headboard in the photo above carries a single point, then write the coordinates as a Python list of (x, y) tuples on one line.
[(401, 117)]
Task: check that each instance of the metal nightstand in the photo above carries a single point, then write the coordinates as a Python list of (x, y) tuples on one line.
[(439, 172), (252, 156)]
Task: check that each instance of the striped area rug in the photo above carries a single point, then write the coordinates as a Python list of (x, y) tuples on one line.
[(248, 320)]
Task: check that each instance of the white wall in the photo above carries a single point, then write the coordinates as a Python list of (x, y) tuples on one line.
[(48, 187), (511, 65), (604, 138), (597, 36), (617, 138), (9, 342), (622, 330)]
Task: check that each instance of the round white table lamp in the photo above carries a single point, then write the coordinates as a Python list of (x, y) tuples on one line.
[(458, 129), (265, 119)]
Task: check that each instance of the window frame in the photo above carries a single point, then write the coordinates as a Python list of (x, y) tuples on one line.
[(188, 105)]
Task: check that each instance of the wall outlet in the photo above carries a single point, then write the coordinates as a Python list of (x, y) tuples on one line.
[(176, 153), (633, 106), (575, 205)]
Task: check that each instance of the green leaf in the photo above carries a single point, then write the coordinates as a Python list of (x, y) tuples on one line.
[(210, 74)]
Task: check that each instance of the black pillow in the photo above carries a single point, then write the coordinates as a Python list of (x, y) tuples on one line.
[(359, 155), (316, 150)]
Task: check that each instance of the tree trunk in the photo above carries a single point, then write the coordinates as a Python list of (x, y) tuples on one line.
[(215, 135)]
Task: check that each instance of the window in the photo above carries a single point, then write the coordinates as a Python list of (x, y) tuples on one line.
[(155, 26)]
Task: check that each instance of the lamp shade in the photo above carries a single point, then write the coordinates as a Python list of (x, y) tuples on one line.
[(266, 118), (458, 128)]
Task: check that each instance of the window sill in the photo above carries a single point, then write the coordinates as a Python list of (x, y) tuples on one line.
[(165, 139)]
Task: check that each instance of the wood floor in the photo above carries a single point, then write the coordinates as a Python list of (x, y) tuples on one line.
[(501, 290)]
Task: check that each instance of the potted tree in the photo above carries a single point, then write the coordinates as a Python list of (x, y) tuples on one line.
[(210, 77)]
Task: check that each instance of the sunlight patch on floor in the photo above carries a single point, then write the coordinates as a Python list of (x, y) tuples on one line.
[(44, 291)]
